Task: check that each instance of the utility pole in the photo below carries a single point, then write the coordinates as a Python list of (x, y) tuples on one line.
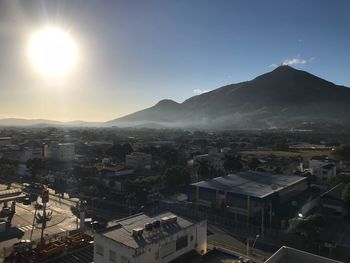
[(44, 199), (262, 221)]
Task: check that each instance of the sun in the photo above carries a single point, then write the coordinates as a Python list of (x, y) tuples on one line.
[(52, 51)]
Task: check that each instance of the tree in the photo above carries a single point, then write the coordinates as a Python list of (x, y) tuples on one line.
[(176, 177), (7, 167), (206, 170), (346, 195), (35, 166), (309, 227), (232, 163), (343, 153), (119, 151), (339, 178)]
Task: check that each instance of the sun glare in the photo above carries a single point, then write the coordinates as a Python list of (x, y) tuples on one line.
[(52, 51)]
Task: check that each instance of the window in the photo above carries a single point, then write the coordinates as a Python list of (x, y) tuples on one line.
[(112, 256), (191, 238), (181, 242), (99, 250)]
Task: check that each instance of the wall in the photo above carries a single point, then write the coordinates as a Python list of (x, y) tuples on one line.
[(161, 251)]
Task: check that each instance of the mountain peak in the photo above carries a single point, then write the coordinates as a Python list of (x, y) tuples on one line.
[(282, 97), (167, 102)]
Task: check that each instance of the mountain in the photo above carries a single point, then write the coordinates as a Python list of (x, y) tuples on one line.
[(44, 123), (283, 98)]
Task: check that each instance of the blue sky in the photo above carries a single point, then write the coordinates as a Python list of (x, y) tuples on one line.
[(135, 53)]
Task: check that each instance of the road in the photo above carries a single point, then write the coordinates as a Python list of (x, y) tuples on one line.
[(22, 224), (221, 237)]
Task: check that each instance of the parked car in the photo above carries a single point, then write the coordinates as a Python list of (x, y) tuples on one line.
[(27, 201), (23, 245)]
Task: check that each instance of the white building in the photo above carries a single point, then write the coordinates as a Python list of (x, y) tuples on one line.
[(214, 156), (145, 239), (60, 152), (138, 160), (323, 168)]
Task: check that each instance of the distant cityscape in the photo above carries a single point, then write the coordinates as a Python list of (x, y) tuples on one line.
[(173, 195)]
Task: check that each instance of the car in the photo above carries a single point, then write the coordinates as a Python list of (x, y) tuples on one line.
[(96, 225), (23, 245), (6, 211), (27, 201)]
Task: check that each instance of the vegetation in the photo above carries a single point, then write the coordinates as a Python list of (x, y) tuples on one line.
[(310, 227), (119, 151), (346, 195), (339, 178), (35, 166), (7, 167), (232, 163), (343, 153), (175, 177)]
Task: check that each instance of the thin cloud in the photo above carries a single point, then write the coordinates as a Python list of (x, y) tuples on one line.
[(199, 91), (273, 65), (293, 61)]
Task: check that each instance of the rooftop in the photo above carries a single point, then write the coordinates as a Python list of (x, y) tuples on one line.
[(292, 255), (255, 184), (122, 232)]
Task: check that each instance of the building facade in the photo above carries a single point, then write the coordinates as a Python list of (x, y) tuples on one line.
[(322, 168), (59, 152), (247, 194), (144, 239)]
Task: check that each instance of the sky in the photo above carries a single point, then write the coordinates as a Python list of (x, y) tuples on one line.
[(131, 54)]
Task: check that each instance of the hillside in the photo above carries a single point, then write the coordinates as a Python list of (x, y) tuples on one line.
[(284, 97)]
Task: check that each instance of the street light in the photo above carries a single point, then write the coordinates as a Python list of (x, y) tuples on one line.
[(248, 239), (300, 215)]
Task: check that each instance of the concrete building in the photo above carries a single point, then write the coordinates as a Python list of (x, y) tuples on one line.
[(5, 141), (292, 255), (323, 168), (138, 160), (59, 152), (141, 238), (247, 193)]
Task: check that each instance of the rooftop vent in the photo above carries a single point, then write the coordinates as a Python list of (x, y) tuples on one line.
[(148, 226), (172, 218), (156, 224), (164, 220), (137, 231)]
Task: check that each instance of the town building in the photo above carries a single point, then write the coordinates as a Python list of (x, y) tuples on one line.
[(138, 160), (247, 194), (323, 168), (5, 141), (142, 238), (59, 152), (292, 255), (214, 156)]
